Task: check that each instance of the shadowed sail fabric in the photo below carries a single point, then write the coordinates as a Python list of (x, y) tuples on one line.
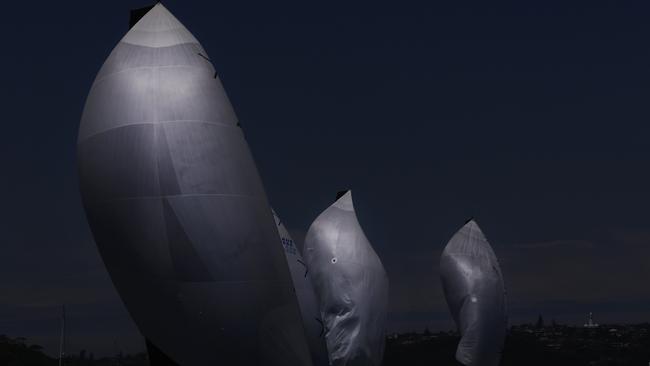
[(350, 283), (311, 318), (177, 207), (474, 290)]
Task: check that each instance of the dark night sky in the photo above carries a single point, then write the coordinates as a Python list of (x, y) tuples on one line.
[(532, 118)]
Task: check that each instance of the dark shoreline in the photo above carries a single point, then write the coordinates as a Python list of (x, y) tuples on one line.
[(529, 345)]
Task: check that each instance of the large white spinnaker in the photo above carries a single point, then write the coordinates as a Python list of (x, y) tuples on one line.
[(351, 284), (473, 286)]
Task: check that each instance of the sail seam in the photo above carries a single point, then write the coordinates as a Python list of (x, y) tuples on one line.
[(81, 139)]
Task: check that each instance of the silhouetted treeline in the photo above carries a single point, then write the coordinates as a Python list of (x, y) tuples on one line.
[(83, 359), (530, 345), (533, 345), (16, 352)]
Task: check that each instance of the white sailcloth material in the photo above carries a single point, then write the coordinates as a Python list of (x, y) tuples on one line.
[(351, 285), (473, 286), (301, 277), (177, 207)]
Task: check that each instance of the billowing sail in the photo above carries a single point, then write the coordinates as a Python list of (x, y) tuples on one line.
[(311, 318), (474, 290), (177, 207), (351, 285)]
